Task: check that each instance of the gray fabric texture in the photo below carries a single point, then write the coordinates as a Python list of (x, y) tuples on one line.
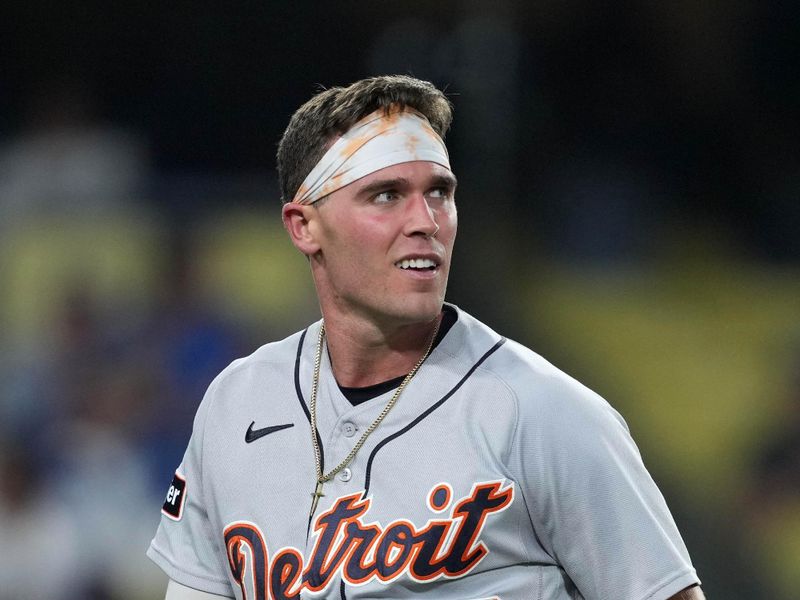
[(532, 480)]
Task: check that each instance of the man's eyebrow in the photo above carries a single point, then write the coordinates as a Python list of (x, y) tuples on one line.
[(380, 185), (449, 181)]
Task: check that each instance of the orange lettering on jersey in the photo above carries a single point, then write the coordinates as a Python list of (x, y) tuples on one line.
[(359, 552)]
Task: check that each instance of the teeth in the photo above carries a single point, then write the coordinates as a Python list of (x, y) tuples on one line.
[(416, 263)]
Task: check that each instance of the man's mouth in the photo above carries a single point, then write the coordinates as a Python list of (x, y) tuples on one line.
[(419, 264)]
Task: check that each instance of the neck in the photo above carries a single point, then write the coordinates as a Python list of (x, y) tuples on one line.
[(364, 353)]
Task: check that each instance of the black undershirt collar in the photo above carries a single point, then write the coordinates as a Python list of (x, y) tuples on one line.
[(357, 395)]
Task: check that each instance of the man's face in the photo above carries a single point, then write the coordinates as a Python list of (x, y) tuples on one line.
[(378, 256)]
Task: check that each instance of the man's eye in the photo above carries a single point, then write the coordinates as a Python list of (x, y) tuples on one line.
[(441, 193), (384, 197)]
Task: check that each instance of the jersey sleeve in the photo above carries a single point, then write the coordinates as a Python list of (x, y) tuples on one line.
[(592, 502), (186, 546)]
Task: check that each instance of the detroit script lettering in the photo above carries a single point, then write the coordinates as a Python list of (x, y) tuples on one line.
[(361, 552)]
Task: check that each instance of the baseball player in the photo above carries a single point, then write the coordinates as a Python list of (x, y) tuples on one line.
[(400, 448)]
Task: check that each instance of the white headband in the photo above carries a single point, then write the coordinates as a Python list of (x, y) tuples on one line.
[(377, 141)]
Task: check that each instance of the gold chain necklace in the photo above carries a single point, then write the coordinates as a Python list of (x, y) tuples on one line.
[(322, 478)]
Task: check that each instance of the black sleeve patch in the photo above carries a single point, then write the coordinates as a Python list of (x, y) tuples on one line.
[(173, 505)]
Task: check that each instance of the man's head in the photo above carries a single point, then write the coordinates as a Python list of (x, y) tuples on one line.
[(381, 242), (331, 113)]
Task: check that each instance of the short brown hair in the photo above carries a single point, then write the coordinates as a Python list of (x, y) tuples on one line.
[(333, 111)]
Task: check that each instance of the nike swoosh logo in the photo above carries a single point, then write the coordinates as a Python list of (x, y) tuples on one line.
[(253, 434)]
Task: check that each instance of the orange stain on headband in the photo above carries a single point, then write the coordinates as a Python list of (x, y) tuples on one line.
[(379, 140)]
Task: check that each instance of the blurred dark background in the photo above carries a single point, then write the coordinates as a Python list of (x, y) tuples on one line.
[(629, 207)]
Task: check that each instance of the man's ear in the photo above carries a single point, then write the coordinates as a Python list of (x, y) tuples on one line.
[(297, 219)]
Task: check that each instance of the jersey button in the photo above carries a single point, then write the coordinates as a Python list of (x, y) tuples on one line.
[(349, 429), (346, 474)]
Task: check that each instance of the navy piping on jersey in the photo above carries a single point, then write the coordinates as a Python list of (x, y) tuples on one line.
[(305, 409), (408, 427), (297, 375), (413, 423)]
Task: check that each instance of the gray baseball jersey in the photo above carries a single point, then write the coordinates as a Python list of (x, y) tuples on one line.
[(495, 476)]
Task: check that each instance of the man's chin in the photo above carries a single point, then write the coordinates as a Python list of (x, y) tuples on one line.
[(419, 310)]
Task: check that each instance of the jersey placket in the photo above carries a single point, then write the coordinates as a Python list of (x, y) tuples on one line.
[(341, 426)]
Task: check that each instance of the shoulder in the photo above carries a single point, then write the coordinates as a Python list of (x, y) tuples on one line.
[(258, 386), (545, 396), (267, 371), (540, 384), (280, 355)]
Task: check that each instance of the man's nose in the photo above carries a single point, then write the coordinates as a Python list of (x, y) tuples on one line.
[(421, 217)]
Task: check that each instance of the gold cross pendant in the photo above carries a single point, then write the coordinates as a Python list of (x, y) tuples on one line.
[(316, 494)]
